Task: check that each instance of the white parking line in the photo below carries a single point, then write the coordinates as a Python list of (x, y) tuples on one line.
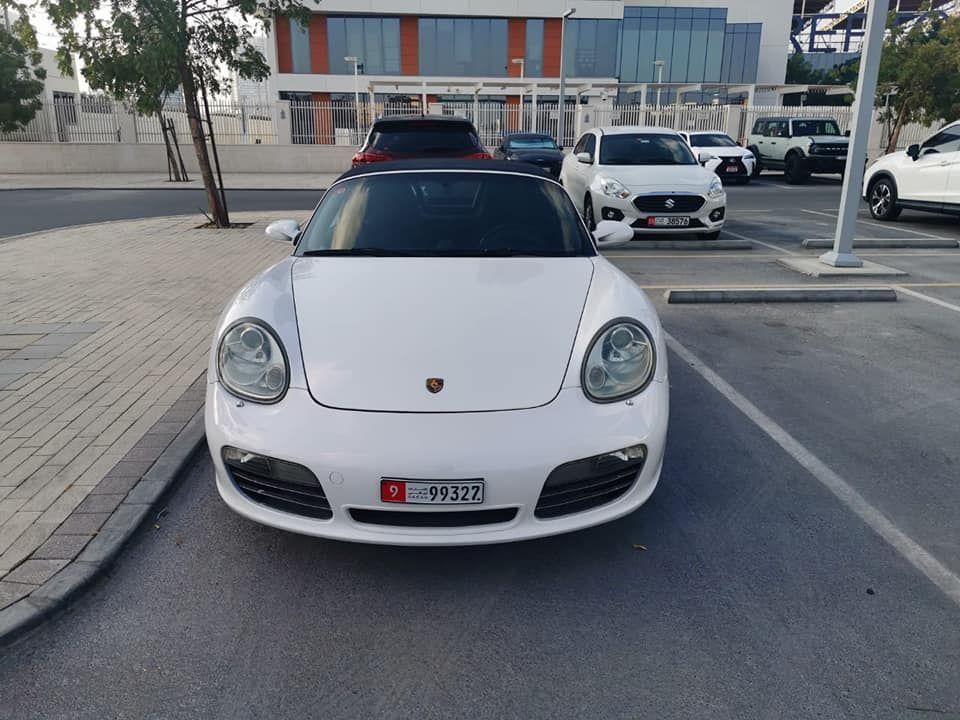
[(927, 298), (911, 551), (758, 242), (885, 227)]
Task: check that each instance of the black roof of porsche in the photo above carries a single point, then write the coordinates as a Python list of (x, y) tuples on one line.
[(502, 166)]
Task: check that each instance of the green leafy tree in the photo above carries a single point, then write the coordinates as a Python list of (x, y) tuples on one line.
[(920, 73), (21, 75), (144, 49)]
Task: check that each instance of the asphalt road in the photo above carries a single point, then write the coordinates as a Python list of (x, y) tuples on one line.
[(758, 595), (25, 211)]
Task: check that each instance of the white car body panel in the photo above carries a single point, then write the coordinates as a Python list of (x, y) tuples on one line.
[(721, 153), (370, 326), (499, 331)]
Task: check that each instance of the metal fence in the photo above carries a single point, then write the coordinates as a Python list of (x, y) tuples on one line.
[(98, 119)]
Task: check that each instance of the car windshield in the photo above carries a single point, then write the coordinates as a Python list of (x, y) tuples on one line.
[(645, 149), (423, 136), (531, 143), (446, 214), (815, 127), (712, 140)]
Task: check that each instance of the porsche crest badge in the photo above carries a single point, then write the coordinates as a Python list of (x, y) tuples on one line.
[(434, 385)]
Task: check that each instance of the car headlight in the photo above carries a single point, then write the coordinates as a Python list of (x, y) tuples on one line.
[(813, 149), (619, 363), (716, 188), (613, 188), (251, 362), (749, 156)]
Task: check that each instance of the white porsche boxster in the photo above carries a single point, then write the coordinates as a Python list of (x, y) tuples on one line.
[(444, 359)]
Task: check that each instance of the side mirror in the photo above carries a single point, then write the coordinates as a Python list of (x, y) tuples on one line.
[(913, 151), (283, 230), (704, 157), (585, 158), (612, 233)]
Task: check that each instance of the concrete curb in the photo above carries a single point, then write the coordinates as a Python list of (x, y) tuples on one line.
[(683, 296), (688, 245), (888, 243), (52, 596)]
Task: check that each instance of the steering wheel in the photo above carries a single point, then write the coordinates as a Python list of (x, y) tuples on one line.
[(511, 236)]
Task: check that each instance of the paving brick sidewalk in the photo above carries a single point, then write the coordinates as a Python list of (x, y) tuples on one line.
[(104, 335), (158, 181)]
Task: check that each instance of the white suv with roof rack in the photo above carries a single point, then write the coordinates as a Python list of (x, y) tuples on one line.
[(647, 177)]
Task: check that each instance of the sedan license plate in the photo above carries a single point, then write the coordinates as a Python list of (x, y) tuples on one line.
[(668, 222), (732, 168), (430, 492)]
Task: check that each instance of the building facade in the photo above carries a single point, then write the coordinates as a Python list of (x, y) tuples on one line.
[(458, 49)]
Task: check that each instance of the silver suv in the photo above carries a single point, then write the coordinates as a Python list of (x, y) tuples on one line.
[(798, 146)]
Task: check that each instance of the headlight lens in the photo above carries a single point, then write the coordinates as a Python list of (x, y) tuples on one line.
[(749, 156), (813, 149), (613, 188), (251, 362), (716, 188), (619, 363)]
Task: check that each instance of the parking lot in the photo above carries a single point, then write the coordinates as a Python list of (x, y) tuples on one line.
[(800, 558)]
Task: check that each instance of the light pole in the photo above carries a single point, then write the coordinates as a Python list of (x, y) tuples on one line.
[(563, 80), (521, 62), (658, 64), (356, 87)]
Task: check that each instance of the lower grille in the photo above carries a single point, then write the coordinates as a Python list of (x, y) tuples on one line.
[(668, 203), (586, 484), (277, 484), (455, 518), (731, 166)]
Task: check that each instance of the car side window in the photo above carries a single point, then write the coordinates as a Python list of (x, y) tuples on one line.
[(581, 144), (783, 129), (591, 145), (944, 141), (759, 128)]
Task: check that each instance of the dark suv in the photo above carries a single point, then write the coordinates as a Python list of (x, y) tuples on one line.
[(420, 136)]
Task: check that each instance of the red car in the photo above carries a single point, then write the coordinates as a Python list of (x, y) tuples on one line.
[(410, 137)]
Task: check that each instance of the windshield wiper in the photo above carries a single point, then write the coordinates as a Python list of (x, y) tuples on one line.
[(363, 251), (511, 252)]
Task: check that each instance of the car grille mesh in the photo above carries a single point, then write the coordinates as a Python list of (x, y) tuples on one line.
[(586, 484), (280, 485), (660, 203), (417, 518)]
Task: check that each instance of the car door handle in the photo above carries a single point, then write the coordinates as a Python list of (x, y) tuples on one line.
[(945, 162)]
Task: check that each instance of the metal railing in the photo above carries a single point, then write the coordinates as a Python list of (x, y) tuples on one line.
[(233, 123)]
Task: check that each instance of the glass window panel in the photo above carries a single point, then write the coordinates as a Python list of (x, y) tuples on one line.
[(701, 12), (372, 55), (713, 68), (727, 54), (391, 46), (533, 66), (337, 45), (631, 51), (737, 57), (446, 59), (498, 46), (664, 49), (699, 36), (751, 57), (677, 66), (648, 48), (462, 41), (354, 38), (299, 47)]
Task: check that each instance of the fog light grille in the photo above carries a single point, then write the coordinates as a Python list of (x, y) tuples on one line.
[(585, 484), (278, 484)]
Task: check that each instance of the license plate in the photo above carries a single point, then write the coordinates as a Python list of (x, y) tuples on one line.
[(668, 222), (430, 492), (732, 168)]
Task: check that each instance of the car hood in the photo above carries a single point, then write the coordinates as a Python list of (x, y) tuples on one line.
[(724, 152), (829, 139), (659, 178), (498, 331)]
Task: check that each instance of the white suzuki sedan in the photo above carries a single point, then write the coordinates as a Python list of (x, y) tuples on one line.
[(444, 359), (730, 161), (646, 177)]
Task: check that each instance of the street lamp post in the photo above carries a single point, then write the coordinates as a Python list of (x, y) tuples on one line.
[(521, 62), (658, 64), (356, 87), (563, 81)]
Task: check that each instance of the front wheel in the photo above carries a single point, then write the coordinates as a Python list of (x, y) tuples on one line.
[(588, 217), (756, 163), (882, 198), (795, 170)]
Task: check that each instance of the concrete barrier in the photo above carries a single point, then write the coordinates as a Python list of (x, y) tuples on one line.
[(38, 158)]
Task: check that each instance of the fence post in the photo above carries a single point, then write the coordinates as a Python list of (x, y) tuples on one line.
[(282, 122), (127, 123)]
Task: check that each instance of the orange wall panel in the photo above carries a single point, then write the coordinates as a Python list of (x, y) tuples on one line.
[(323, 120), (409, 46), (551, 47), (284, 56), (516, 44), (319, 55)]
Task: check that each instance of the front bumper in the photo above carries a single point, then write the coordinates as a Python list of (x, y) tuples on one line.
[(512, 451), (826, 164), (701, 222)]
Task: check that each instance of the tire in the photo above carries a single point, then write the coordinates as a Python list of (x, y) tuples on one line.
[(794, 170), (882, 199), (715, 235), (588, 217), (744, 180), (756, 163)]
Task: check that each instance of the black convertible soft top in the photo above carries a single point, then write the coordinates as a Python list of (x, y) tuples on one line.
[(503, 166)]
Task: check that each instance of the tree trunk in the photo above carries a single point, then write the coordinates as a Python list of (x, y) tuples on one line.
[(897, 127), (217, 211), (173, 171)]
